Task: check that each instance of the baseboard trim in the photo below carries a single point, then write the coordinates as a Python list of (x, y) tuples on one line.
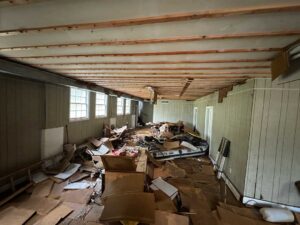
[(232, 188), (252, 201), (257, 202)]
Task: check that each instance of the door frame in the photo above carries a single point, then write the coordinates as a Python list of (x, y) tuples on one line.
[(195, 118), (208, 110)]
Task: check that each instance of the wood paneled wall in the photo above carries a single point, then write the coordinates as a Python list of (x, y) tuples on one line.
[(57, 114), (27, 107), (22, 110), (274, 148), (173, 111), (147, 112), (231, 119)]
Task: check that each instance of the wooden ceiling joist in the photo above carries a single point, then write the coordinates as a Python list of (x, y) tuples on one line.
[(262, 72), (222, 77), (157, 62), (159, 40), (274, 8), (187, 84), (163, 68), (194, 52)]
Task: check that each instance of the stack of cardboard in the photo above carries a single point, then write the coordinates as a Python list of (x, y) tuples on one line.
[(124, 198)]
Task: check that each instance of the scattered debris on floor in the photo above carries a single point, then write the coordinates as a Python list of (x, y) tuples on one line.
[(159, 176)]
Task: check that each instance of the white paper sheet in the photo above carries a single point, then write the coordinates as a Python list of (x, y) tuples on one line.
[(165, 187), (78, 185), (39, 177), (72, 168)]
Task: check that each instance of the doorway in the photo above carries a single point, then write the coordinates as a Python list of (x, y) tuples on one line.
[(208, 125), (195, 118)]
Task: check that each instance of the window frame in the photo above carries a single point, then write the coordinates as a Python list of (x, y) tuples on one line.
[(122, 113), (87, 103), (105, 104), (126, 106)]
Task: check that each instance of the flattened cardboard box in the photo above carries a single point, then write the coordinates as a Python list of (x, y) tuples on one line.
[(55, 215), (15, 216), (166, 218), (134, 206), (118, 163), (118, 183)]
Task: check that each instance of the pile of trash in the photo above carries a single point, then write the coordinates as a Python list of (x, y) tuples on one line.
[(156, 176), (170, 141)]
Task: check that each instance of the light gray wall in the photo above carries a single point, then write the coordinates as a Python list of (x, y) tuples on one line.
[(274, 148), (27, 107), (57, 114), (21, 120), (147, 112), (231, 119), (173, 111)]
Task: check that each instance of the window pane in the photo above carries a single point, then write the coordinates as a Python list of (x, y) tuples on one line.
[(78, 103), (101, 103)]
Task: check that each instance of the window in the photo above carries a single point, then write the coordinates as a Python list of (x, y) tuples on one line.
[(120, 106), (128, 106), (101, 105), (79, 103)]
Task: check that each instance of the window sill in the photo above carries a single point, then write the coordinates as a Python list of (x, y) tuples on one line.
[(101, 117), (78, 119)]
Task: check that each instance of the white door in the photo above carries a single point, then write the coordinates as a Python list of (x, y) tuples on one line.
[(195, 118), (208, 125)]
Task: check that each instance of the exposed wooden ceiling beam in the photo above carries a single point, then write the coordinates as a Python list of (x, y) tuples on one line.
[(187, 84), (158, 40), (172, 76), (274, 8), (262, 72), (163, 68), (193, 52), (157, 62), (13, 68)]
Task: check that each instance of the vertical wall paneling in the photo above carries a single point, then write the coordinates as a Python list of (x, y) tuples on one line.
[(280, 146), (22, 118), (231, 119), (173, 111), (294, 176), (256, 123), (271, 142), (288, 142), (3, 126), (273, 158)]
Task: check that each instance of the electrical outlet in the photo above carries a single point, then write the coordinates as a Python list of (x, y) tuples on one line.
[(230, 170)]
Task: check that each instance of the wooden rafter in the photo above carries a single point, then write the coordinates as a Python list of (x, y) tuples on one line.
[(227, 77), (157, 62), (187, 84), (275, 8), (163, 68), (158, 40), (193, 52), (262, 72)]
